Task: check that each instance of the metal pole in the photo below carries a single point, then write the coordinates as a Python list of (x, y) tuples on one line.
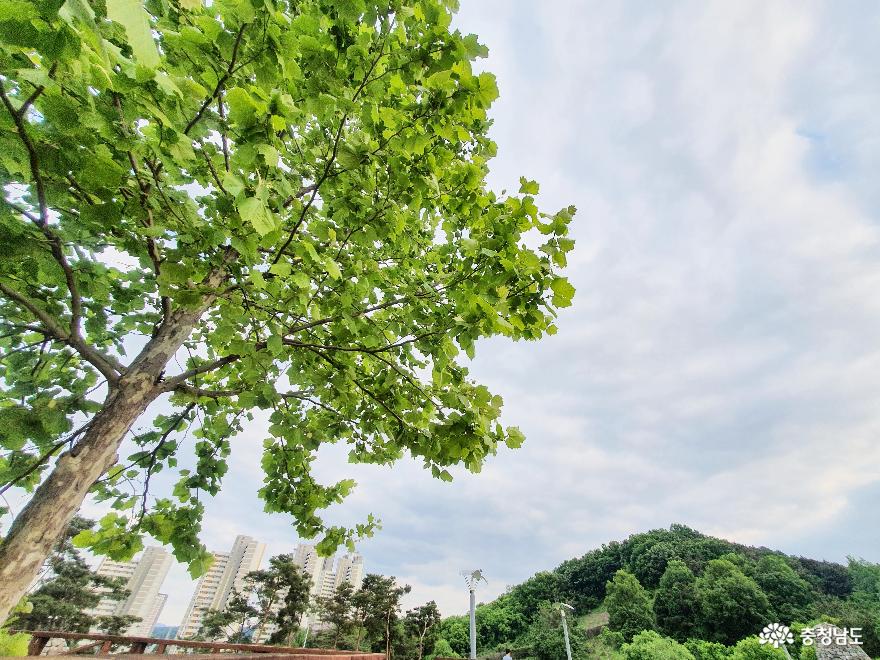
[(565, 633), (474, 625)]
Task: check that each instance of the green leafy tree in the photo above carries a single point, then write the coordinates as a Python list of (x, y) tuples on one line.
[(583, 580), (293, 586), (235, 623), (629, 606), (502, 620), (545, 638), (421, 624), (788, 593), (377, 604), (676, 606), (651, 645), (649, 566), (732, 605), (69, 590), (456, 631), (336, 610), (442, 649), (275, 598), (287, 199)]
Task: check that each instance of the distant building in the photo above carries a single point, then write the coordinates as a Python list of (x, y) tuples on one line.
[(143, 578), (226, 574)]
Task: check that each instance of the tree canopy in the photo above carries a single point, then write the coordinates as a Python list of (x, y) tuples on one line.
[(216, 208)]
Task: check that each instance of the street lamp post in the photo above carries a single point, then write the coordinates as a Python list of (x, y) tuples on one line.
[(471, 578), (562, 608)]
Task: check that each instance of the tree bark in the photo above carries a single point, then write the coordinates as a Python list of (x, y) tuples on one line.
[(42, 522)]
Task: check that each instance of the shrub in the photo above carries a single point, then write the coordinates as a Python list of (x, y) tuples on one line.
[(651, 645), (751, 649)]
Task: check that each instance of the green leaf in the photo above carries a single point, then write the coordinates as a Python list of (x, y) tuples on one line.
[(254, 211), (563, 292), (515, 437), (332, 268), (233, 184), (528, 187), (132, 16)]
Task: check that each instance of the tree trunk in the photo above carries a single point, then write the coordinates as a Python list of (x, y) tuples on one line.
[(42, 522), (388, 636)]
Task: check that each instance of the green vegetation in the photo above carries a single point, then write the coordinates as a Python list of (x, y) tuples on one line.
[(365, 618), (702, 598), (68, 590), (629, 606), (272, 598), (240, 206)]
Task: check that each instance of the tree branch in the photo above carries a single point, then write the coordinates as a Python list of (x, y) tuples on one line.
[(43, 221), (222, 81), (109, 367)]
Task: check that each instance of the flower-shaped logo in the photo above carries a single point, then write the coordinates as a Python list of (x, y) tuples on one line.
[(776, 634)]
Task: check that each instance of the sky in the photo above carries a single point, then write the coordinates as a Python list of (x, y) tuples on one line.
[(720, 366)]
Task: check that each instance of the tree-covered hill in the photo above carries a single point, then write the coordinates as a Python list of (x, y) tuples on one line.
[(704, 597)]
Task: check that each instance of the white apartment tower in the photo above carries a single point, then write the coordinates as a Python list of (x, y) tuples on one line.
[(226, 574), (350, 568), (143, 578)]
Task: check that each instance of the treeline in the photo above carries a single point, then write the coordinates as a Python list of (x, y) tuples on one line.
[(682, 585), (271, 603)]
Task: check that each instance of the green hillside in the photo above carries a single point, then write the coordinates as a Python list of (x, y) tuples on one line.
[(704, 598)]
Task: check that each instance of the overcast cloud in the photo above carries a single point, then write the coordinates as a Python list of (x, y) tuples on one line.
[(721, 364)]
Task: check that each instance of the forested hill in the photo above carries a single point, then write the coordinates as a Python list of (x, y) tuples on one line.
[(685, 586)]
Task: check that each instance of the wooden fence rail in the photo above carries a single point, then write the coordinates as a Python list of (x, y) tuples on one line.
[(102, 645)]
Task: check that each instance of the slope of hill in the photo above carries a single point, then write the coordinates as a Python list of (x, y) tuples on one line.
[(705, 597)]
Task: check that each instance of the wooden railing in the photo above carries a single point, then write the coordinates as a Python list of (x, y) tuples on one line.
[(100, 644)]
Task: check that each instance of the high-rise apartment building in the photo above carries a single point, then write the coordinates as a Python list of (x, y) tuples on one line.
[(350, 568), (226, 574), (143, 578)]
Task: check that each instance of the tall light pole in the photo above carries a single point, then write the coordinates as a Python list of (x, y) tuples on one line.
[(562, 608), (471, 578)]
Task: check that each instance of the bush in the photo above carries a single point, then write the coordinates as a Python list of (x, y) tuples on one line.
[(442, 649), (13, 644), (650, 645), (610, 638), (751, 649), (703, 650)]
